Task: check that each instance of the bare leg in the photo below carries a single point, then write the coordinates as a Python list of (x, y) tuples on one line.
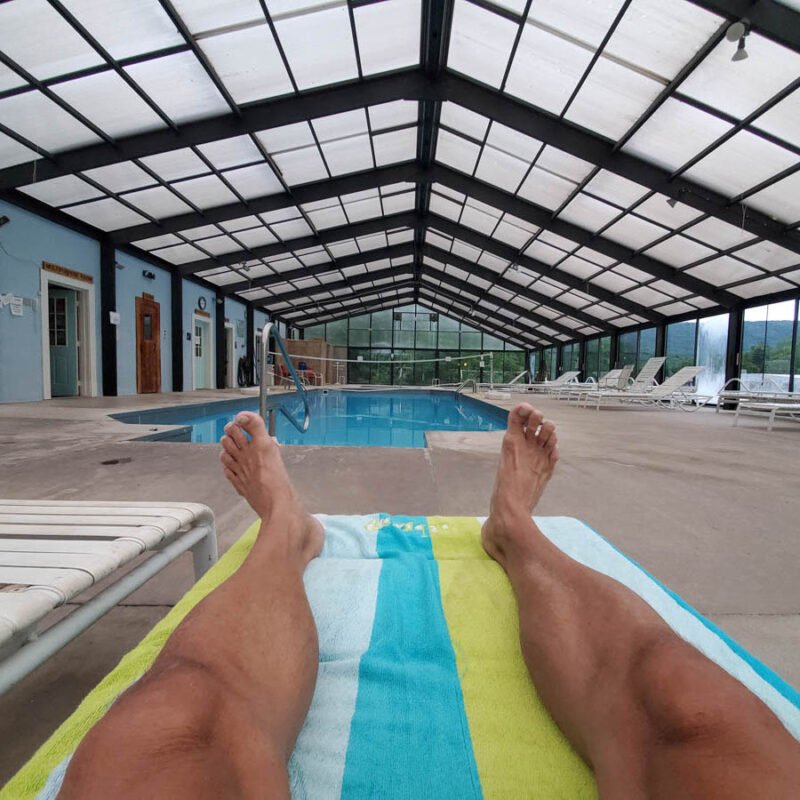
[(648, 712), (218, 713)]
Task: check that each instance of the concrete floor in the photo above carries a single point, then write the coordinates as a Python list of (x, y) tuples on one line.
[(709, 509)]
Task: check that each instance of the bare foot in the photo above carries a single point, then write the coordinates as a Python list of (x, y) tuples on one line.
[(527, 460), (255, 469)]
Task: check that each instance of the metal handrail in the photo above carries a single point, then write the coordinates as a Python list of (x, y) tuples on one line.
[(270, 329), (463, 385)]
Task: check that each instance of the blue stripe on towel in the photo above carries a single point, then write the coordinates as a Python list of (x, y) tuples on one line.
[(409, 737)]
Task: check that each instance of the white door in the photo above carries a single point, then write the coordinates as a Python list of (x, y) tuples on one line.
[(202, 354)]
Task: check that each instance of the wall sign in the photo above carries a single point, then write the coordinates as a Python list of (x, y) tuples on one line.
[(48, 266)]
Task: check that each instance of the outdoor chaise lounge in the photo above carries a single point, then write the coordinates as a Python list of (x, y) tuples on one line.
[(644, 381), (670, 394), (51, 551), (614, 379), (772, 411), (410, 701), (545, 386), (768, 391)]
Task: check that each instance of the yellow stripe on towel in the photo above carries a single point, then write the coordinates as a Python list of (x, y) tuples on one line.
[(519, 750)]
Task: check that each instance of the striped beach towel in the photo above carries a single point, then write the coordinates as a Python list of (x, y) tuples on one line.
[(422, 691)]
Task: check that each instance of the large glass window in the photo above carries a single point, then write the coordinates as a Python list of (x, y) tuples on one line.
[(570, 357), (627, 349), (647, 347), (680, 346), (767, 346), (412, 333), (712, 344)]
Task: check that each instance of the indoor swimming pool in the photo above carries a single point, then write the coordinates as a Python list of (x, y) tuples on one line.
[(341, 418)]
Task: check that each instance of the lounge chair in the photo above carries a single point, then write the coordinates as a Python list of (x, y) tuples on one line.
[(613, 379), (768, 391), (670, 394), (546, 386), (51, 551), (773, 411), (410, 701)]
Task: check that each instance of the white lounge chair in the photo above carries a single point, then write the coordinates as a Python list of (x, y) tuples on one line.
[(51, 551), (772, 411), (768, 391), (613, 379), (670, 394), (546, 386)]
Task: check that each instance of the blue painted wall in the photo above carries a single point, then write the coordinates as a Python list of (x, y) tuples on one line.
[(192, 292), (130, 285), (26, 241)]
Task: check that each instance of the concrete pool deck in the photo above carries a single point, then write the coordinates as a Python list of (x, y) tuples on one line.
[(709, 509)]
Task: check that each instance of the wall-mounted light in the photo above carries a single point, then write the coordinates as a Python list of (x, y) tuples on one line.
[(151, 276), (3, 221), (739, 31)]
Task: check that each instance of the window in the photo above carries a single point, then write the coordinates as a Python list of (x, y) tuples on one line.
[(198, 341), (712, 345), (58, 321), (627, 349), (147, 325), (680, 346), (767, 346), (647, 347)]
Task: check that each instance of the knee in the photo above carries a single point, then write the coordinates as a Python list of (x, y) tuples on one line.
[(174, 707), (685, 698)]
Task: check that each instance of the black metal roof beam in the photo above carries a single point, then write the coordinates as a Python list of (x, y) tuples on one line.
[(408, 172), (357, 280), (465, 184), (508, 253), (356, 259), (406, 219), (770, 18), (439, 292), (406, 84), (541, 216), (414, 84), (360, 291), (486, 327), (360, 285), (484, 273), (405, 296), (463, 286), (437, 18), (595, 149)]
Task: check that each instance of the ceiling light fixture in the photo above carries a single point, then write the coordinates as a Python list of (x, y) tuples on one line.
[(738, 32)]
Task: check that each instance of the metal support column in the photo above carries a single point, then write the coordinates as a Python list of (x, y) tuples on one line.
[(734, 351), (176, 323), (219, 339), (108, 304), (613, 351), (250, 322)]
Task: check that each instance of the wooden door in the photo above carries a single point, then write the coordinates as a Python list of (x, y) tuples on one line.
[(148, 345)]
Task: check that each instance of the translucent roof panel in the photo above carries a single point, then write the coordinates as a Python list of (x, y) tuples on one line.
[(596, 164)]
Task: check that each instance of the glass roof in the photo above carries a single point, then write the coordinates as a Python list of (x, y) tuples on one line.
[(565, 167)]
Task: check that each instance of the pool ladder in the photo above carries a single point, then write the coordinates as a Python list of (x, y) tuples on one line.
[(463, 385), (270, 329)]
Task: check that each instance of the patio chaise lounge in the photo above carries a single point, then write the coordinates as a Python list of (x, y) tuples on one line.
[(772, 411), (614, 379), (52, 551), (410, 701), (546, 386), (670, 394)]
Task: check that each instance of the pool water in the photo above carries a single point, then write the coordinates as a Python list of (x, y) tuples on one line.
[(364, 418)]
